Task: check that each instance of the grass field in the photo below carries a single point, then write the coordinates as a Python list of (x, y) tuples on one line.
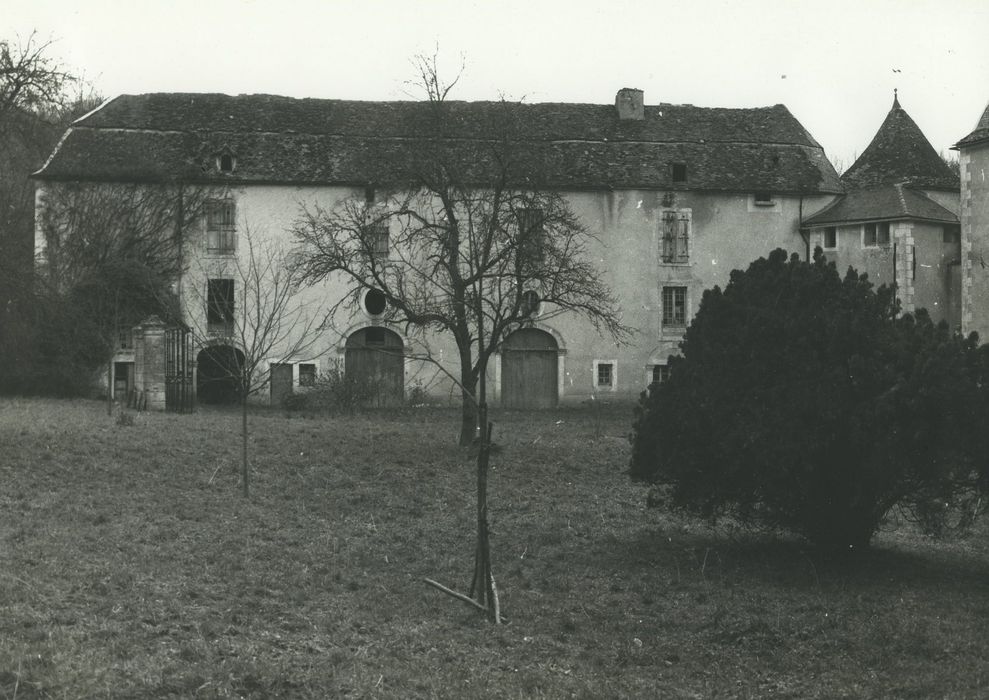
[(131, 567)]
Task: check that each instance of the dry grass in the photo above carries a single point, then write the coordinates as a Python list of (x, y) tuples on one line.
[(130, 567)]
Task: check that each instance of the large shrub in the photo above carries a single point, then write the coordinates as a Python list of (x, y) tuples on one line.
[(804, 401)]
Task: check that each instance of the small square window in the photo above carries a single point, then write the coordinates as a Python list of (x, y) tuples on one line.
[(875, 235), (660, 373), (678, 173), (307, 374), (830, 238), (951, 233), (764, 199), (605, 374)]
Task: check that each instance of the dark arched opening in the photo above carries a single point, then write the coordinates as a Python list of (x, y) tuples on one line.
[(374, 365), (218, 374)]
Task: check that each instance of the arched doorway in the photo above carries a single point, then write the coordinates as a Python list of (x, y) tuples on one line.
[(529, 360), (375, 363), (218, 371)]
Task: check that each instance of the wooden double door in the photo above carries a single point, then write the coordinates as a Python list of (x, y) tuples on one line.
[(529, 370)]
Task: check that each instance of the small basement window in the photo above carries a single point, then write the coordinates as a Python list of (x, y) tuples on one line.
[(678, 173)]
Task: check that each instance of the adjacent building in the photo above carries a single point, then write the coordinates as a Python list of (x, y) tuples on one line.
[(973, 157), (676, 196), (898, 220)]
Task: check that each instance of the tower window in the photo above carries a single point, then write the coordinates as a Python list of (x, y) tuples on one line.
[(875, 235)]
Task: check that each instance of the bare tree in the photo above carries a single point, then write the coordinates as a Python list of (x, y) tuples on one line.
[(30, 78), (263, 317), (34, 91), (460, 248), (465, 244), (112, 257)]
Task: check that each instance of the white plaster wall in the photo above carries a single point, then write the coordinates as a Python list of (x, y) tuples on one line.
[(727, 232)]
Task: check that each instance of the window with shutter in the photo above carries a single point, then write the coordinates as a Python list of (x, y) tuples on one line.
[(676, 237)]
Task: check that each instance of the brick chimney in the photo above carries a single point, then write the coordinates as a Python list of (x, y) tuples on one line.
[(628, 104)]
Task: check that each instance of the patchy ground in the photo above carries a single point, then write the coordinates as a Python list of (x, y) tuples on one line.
[(130, 566)]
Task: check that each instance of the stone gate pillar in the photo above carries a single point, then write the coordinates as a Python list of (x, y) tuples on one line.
[(149, 364)]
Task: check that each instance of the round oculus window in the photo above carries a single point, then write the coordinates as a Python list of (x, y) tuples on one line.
[(375, 302)]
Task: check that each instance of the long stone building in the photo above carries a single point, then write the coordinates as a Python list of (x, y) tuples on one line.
[(676, 197)]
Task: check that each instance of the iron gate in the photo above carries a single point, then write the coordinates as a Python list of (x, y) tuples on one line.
[(180, 385)]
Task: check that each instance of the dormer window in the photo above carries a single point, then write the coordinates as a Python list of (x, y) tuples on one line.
[(226, 162), (678, 173)]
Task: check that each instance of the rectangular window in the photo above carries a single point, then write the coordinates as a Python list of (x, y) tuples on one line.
[(830, 238), (674, 306), (764, 199), (379, 241), (532, 236), (125, 338), (676, 237), (678, 173), (875, 235), (605, 374), (221, 226), (220, 306), (951, 233), (660, 373), (307, 374)]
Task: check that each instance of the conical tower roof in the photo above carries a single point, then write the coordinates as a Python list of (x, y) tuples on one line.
[(900, 153), (980, 134)]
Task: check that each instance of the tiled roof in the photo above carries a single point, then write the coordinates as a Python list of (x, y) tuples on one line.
[(286, 140), (899, 152), (980, 134), (881, 203)]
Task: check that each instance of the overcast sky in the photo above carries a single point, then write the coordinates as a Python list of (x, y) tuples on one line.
[(834, 64)]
